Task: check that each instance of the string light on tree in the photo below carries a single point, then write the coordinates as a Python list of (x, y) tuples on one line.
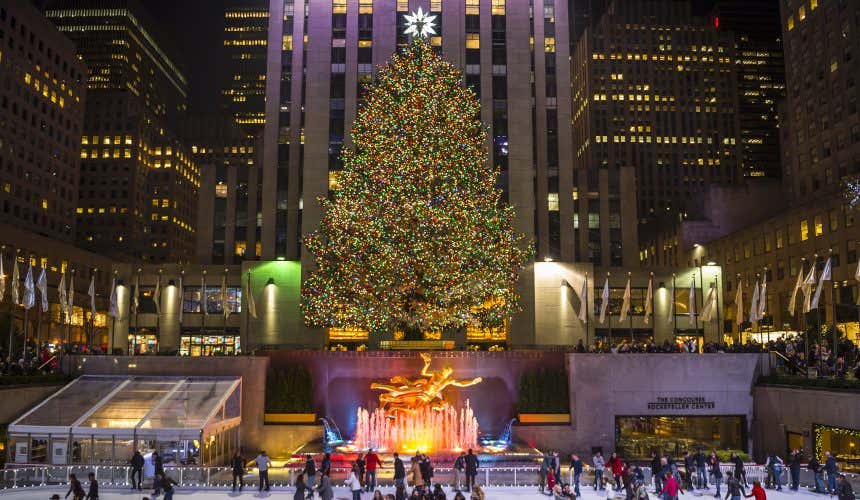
[(416, 238)]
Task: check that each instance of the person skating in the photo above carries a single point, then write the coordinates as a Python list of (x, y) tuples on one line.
[(362, 467), (415, 473), (716, 472), (757, 491), (543, 470), (701, 469), (740, 472), (816, 470), (599, 465), (93, 493), (373, 462), (353, 483), (324, 488), (773, 465), (302, 489), (158, 465), (794, 469), (576, 467), (136, 463), (550, 480), (311, 473), (75, 488), (655, 472), (689, 469), (617, 468), (670, 487), (831, 470), (169, 487), (843, 489), (471, 469), (263, 463), (237, 465), (734, 489), (399, 471)]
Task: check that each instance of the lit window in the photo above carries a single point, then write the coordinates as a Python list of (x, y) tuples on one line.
[(498, 8), (221, 190), (804, 230), (801, 13), (819, 225), (790, 23), (473, 41), (813, 4), (44, 204), (552, 202)]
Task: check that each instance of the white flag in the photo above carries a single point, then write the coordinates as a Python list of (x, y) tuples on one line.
[(64, 299), (2, 279), (71, 303), (739, 303), (225, 307), (583, 301), (808, 283), (181, 299), (29, 289), (671, 316), (135, 294), (156, 294), (91, 291), (797, 286), (113, 310), (825, 276), (857, 272), (649, 298), (42, 286), (249, 297), (709, 306), (625, 304), (762, 297), (754, 304), (16, 277), (691, 306), (203, 307)]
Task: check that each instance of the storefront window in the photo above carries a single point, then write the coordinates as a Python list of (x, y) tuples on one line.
[(637, 437), (191, 300), (144, 343), (209, 345), (843, 443)]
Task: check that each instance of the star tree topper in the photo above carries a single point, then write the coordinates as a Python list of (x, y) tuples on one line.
[(420, 24)]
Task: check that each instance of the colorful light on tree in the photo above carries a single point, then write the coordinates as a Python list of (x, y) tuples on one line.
[(416, 238)]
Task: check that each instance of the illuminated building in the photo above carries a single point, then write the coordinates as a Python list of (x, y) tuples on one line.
[(654, 94), (243, 92), (41, 113), (761, 80), (226, 224), (138, 188)]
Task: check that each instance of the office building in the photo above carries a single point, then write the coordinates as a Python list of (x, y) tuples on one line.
[(244, 89), (42, 96), (655, 99), (761, 79), (138, 189)]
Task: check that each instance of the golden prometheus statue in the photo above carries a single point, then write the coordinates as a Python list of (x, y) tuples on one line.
[(409, 395)]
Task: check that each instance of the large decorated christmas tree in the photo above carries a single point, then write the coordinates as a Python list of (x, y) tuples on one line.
[(415, 238)]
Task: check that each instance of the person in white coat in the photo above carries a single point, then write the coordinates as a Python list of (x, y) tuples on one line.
[(354, 483)]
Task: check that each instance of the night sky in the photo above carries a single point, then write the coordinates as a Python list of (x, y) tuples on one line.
[(195, 27)]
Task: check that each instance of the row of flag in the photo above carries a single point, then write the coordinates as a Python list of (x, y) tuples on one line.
[(67, 293)]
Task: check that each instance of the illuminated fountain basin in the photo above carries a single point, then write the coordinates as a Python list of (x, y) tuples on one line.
[(426, 429)]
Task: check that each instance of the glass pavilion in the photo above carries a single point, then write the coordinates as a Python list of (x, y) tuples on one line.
[(101, 420)]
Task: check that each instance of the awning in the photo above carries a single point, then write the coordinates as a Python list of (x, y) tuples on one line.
[(129, 407)]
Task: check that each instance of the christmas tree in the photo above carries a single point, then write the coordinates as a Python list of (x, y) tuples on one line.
[(415, 238)]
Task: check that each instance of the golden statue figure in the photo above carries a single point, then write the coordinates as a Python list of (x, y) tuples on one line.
[(406, 395)]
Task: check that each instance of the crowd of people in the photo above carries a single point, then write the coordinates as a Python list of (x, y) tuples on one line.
[(33, 363)]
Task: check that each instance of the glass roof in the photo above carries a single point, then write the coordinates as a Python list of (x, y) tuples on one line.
[(132, 404)]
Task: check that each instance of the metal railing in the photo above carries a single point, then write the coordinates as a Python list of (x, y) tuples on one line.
[(119, 476)]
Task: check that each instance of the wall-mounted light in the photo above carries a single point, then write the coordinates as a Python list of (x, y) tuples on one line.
[(270, 281), (711, 263), (662, 285), (171, 283), (281, 257), (547, 259)]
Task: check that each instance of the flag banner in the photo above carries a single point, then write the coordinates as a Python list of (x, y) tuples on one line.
[(203, 307), (29, 290), (671, 316), (252, 306), (710, 305), (64, 299), (135, 295), (625, 304), (2, 279), (42, 286), (583, 301), (808, 283), (225, 308), (825, 276), (71, 303), (113, 309), (156, 294), (92, 293), (16, 277), (754, 304), (649, 299), (762, 297), (739, 303), (691, 306), (798, 285)]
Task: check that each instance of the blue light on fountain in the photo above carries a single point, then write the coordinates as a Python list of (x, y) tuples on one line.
[(332, 432)]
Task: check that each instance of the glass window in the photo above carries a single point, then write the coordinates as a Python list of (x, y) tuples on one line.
[(819, 225), (637, 437), (780, 238), (804, 230), (214, 302), (843, 443)]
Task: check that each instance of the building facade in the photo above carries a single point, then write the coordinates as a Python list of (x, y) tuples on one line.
[(243, 92), (138, 188), (654, 123), (42, 98)]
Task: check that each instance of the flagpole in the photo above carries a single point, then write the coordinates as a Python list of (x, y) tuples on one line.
[(699, 309), (630, 309), (762, 305), (224, 307), (833, 319), (92, 333), (720, 328), (695, 310), (609, 316), (12, 305), (67, 315), (674, 312), (38, 327), (203, 304), (587, 311), (113, 318), (26, 319), (817, 309), (136, 300), (247, 313), (653, 304)]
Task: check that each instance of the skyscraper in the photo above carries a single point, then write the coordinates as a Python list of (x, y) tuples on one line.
[(41, 113), (244, 90), (655, 96), (138, 190), (761, 79)]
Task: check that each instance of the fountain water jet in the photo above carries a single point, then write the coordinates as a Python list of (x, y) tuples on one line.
[(426, 429)]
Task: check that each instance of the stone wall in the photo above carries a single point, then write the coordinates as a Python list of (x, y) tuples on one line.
[(20, 399)]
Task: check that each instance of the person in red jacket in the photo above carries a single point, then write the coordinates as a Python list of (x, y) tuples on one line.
[(670, 488), (757, 491), (550, 480), (372, 462), (617, 466)]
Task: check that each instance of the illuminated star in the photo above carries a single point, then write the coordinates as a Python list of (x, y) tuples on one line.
[(420, 24)]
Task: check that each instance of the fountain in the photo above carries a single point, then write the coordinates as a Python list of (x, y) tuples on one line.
[(332, 432)]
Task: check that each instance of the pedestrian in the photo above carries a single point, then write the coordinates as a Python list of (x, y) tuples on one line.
[(471, 470), (670, 487), (325, 465), (93, 493), (361, 467), (716, 472), (816, 470), (757, 491), (701, 469), (459, 469), (689, 469), (301, 487), (617, 469), (556, 466), (372, 463), (794, 469), (400, 492), (353, 483), (324, 488), (136, 463), (844, 491), (415, 473), (740, 472), (157, 484), (263, 463), (734, 489), (238, 467), (599, 464), (640, 493), (158, 463), (576, 467), (543, 471), (773, 466), (311, 473), (550, 480), (168, 487), (399, 471), (75, 488), (831, 470)]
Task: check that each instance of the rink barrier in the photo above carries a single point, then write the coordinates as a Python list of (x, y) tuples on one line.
[(194, 477)]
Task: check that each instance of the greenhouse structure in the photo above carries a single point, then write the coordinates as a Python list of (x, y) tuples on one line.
[(102, 420)]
